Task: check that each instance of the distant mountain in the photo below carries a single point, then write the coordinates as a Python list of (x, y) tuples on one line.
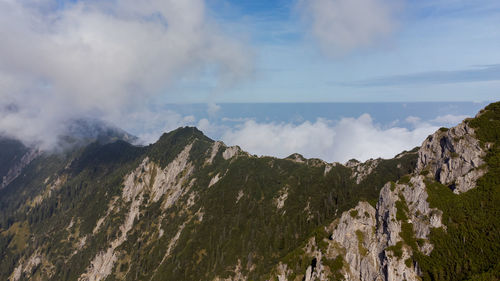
[(15, 156), (12, 156), (190, 208), (85, 131)]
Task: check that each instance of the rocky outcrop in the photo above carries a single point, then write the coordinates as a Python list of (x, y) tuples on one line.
[(26, 268), (453, 157), (369, 239), (214, 180), (296, 158), (280, 200), (170, 180), (353, 236), (361, 170), (167, 184), (403, 205), (283, 272), (102, 264), (213, 152), (378, 243), (230, 152)]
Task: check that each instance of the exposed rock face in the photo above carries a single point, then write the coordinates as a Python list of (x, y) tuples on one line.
[(420, 214), (371, 241), (362, 170), (213, 152), (148, 177), (102, 264), (280, 200), (412, 196), (316, 270), (230, 152), (453, 157), (27, 267), (353, 237), (214, 180), (363, 235), (240, 195), (170, 180), (283, 272), (297, 158), (51, 187)]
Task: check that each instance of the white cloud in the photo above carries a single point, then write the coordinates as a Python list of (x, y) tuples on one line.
[(338, 141), (153, 124), (449, 119), (340, 26), (414, 120), (212, 108), (103, 59)]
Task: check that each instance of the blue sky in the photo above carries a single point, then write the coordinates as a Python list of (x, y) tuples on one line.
[(438, 51), (270, 51)]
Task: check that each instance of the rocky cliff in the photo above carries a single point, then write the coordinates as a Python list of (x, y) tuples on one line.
[(390, 240)]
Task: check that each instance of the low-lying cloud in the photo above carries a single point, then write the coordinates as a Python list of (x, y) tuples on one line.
[(105, 59), (340, 26), (358, 138)]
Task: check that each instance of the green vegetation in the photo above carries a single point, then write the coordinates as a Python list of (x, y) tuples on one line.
[(404, 179), (490, 275), (407, 232), (397, 249), (401, 210), (171, 144), (251, 230), (335, 266), (424, 173), (469, 247), (361, 238), (353, 213)]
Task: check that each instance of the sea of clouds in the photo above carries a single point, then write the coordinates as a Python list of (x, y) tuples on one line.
[(113, 60)]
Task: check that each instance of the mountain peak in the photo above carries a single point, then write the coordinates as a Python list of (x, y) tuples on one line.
[(89, 130), (186, 132), (172, 143)]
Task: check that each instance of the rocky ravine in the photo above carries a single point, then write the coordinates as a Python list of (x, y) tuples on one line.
[(373, 242)]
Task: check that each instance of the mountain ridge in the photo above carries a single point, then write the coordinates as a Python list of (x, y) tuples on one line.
[(190, 208)]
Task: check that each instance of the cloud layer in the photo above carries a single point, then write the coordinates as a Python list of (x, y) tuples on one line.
[(358, 138), (103, 59), (339, 26)]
